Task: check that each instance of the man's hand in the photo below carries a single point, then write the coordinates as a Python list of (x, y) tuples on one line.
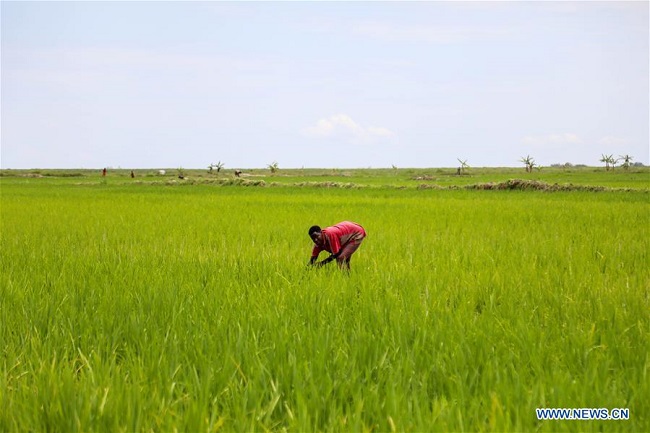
[(312, 261), (327, 260)]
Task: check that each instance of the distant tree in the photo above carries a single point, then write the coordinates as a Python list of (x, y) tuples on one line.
[(608, 160), (627, 160), (529, 162), (218, 166), (605, 159), (463, 166), (273, 167)]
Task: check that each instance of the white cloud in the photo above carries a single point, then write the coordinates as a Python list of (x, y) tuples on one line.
[(613, 141), (342, 126), (552, 139)]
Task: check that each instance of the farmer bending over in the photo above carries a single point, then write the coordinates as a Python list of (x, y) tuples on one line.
[(341, 241)]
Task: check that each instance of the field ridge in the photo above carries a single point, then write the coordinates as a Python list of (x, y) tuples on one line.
[(510, 184)]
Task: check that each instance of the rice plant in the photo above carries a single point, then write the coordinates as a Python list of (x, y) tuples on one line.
[(165, 307)]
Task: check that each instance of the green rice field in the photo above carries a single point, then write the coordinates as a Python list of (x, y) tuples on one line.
[(159, 304)]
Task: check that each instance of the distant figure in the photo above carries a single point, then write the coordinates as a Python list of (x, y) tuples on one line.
[(237, 173), (341, 241), (104, 172), (132, 174)]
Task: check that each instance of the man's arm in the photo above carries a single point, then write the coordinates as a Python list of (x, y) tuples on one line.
[(327, 260), (315, 252), (335, 245)]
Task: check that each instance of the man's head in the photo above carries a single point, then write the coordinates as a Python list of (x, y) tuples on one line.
[(315, 233)]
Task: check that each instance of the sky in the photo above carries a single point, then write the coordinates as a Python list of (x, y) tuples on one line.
[(162, 84)]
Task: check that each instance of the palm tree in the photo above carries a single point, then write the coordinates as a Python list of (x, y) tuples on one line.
[(608, 159), (463, 166), (273, 167), (627, 159), (218, 166), (529, 162)]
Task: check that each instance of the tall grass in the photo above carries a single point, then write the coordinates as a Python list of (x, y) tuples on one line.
[(138, 307)]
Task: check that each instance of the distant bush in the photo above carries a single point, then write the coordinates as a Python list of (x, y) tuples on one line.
[(535, 185), (77, 174)]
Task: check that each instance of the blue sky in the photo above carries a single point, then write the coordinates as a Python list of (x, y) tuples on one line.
[(322, 84)]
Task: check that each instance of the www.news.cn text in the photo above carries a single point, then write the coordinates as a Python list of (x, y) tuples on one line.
[(582, 414)]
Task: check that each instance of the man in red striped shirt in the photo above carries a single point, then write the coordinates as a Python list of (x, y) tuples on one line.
[(340, 240)]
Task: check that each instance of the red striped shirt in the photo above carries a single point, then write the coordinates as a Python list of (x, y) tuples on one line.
[(337, 236)]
